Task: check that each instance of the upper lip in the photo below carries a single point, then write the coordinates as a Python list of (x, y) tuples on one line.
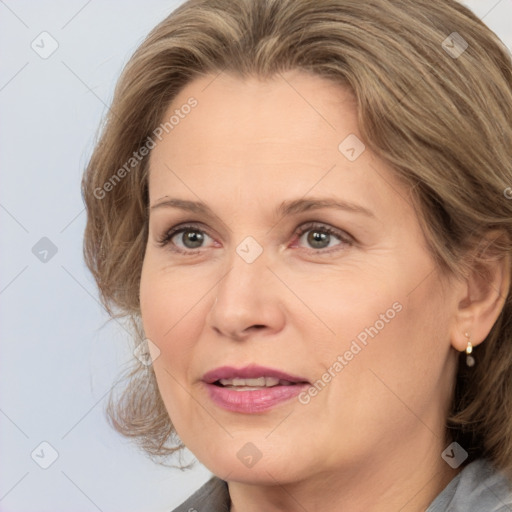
[(249, 372)]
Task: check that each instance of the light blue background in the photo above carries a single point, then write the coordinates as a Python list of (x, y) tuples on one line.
[(59, 356)]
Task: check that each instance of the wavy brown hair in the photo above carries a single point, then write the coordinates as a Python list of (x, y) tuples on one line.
[(441, 120)]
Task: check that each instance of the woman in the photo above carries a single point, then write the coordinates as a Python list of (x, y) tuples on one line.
[(302, 206)]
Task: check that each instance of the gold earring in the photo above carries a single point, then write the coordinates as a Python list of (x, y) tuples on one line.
[(470, 360)]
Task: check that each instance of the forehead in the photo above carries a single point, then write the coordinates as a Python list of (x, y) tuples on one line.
[(250, 139), (275, 116)]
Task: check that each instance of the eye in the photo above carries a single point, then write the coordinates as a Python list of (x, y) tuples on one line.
[(320, 236), (184, 239), (190, 239)]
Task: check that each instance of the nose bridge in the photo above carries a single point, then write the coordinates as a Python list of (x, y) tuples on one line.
[(247, 269), (245, 296)]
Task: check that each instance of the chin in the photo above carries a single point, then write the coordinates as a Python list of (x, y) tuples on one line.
[(243, 461), (262, 473)]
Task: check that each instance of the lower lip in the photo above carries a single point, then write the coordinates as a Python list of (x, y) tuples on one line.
[(254, 401)]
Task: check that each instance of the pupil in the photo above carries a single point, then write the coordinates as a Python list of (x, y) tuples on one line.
[(192, 239), (318, 240)]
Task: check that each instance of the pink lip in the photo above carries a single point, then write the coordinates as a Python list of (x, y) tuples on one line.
[(254, 401)]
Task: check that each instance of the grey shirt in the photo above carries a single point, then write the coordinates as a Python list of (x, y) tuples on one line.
[(477, 488)]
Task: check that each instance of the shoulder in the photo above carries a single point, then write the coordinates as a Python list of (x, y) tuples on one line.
[(213, 496), (479, 486)]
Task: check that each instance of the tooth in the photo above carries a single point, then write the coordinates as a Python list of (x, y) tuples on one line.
[(253, 383), (259, 382)]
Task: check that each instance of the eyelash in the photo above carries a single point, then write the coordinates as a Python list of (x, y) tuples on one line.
[(344, 238)]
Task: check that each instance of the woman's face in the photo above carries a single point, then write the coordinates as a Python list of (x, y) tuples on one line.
[(298, 260)]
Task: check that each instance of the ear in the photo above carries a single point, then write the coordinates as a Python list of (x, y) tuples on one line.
[(483, 292)]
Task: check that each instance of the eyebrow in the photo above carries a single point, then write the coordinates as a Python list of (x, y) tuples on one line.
[(286, 208)]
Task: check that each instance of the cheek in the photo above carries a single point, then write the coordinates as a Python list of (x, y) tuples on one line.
[(169, 310), (168, 300), (391, 330), (392, 360), (354, 303)]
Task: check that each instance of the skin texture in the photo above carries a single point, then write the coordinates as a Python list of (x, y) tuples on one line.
[(378, 424)]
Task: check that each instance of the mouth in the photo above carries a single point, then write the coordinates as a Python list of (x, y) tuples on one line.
[(239, 384), (251, 389)]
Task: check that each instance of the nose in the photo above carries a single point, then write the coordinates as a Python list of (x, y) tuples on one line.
[(248, 301)]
